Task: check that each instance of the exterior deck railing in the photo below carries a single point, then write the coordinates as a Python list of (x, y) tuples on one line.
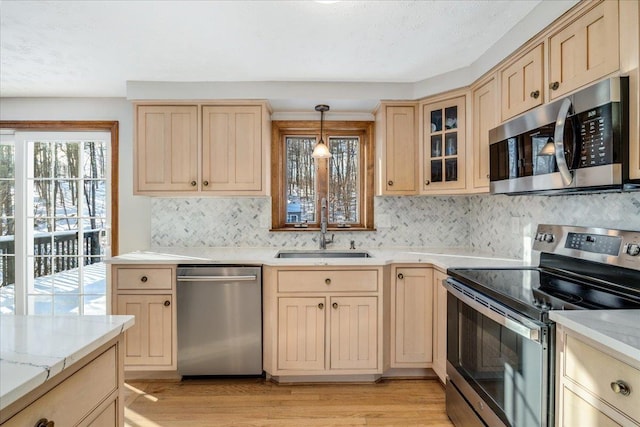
[(51, 255)]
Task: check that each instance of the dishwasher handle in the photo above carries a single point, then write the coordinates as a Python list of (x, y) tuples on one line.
[(249, 278)]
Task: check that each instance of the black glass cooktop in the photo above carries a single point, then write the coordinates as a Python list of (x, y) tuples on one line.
[(535, 291)]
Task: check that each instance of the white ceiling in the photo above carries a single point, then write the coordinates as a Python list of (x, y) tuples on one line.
[(93, 48)]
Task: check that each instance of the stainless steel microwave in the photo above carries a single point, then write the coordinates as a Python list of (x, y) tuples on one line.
[(579, 143)]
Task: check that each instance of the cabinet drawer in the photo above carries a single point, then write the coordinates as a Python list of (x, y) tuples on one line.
[(74, 398), (328, 280), (144, 278), (584, 365)]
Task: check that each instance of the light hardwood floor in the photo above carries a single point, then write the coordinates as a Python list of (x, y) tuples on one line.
[(257, 402)]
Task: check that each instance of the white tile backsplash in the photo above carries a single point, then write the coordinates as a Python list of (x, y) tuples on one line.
[(502, 225)]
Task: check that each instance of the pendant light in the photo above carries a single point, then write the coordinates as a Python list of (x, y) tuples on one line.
[(548, 149), (321, 151)]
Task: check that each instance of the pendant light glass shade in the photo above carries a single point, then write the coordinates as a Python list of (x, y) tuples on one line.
[(549, 149), (321, 151)]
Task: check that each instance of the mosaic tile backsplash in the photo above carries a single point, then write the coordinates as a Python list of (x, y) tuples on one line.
[(501, 225)]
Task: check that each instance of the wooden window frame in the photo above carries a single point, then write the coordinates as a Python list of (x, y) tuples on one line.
[(281, 129), (89, 126)]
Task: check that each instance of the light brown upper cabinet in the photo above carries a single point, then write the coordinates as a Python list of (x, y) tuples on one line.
[(213, 148), (585, 50), (485, 117), (232, 151), (166, 149), (397, 142), (443, 145), (522, 83)]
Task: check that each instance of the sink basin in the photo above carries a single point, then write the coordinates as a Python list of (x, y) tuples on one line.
[(323, 254)]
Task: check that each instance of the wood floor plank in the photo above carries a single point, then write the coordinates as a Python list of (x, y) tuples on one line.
[(258, 402)]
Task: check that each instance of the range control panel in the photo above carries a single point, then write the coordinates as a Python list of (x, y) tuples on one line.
[(619, 247), (596, 243)]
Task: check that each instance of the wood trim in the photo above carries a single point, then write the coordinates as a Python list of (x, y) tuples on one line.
[(84, 125), (363, 129)]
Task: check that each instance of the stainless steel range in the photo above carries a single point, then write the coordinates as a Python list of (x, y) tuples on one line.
[(500, 341)]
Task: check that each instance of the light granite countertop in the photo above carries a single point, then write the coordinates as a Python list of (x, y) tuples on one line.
[(616, 329), (33, 349), (439, 258)]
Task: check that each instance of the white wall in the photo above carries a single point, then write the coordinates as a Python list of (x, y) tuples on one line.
[(135, 211)]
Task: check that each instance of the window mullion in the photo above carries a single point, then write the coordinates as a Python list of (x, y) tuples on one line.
[(22, 230)]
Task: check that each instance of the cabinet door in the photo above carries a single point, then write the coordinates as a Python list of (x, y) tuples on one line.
[(232, 148), (576, 411), (166, 148), (585, 50), (301, 333), (354, 333), (443, 148), (412, 321), (485, 117), (149, 341), (522, 84), (440, 327), (401, 150)]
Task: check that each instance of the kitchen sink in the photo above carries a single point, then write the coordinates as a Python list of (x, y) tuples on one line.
[(323, 254)]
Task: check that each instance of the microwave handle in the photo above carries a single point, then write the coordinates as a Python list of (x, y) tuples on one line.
[(558, 142)]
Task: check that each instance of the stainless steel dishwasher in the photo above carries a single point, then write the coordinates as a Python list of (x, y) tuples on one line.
[(219, 320)]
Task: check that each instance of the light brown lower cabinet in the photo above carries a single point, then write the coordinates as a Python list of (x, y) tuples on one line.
[(87, 395), (596, 386), (411, 317), (440, 325), (148, 293), (323, 321)]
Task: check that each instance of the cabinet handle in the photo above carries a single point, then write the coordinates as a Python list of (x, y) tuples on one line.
[(487, 176), (144, 279), (535, 94), (167, 303), (554, 86), (327, 281), (389, 183), (43, 422), (427, 182), (205, 183), (321, 306), (193, 183), (334, 305), (400, 276), (620, 387)]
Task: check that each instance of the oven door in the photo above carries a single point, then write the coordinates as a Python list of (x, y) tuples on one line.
[(498, 360)]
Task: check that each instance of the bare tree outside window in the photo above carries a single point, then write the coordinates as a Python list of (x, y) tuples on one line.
[(301, 180)]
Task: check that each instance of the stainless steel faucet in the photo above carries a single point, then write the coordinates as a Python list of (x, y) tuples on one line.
[(323, 224)]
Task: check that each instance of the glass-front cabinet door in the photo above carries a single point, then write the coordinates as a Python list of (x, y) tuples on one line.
[(443, 143)]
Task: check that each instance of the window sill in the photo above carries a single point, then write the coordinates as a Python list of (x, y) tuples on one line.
[(317, 230)]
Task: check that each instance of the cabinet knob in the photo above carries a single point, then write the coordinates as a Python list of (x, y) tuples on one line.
[(487, 176), (205, 183), (554, 85), (327, 281), (321, 306), (400, 276), (427, 182), (144, 279), (167, 303), (334, 305), (193, 183), (43, 422), (535, 94), (389, 183), (620, 387)]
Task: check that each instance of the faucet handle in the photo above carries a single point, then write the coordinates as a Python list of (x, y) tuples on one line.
[(352, 244)]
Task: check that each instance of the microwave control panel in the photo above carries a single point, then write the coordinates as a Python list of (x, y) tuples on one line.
[(595, 127)]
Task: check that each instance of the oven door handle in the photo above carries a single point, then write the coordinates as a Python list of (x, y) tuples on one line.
[(532, 333)]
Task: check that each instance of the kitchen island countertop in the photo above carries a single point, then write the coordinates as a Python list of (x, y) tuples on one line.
[(34, 349)]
